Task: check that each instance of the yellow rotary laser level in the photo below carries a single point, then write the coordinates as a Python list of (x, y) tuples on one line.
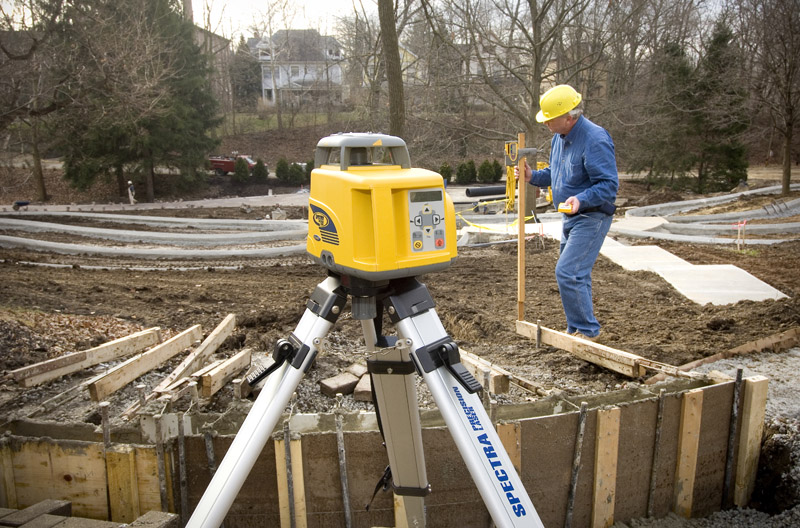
[(373, 216)]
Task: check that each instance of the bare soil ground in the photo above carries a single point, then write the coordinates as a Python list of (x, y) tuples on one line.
[(51, 304)]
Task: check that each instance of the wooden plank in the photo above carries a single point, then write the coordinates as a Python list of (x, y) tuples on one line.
[(147, 478), (605, 466), (200, 355), (214, 380), (298, 487), (119, 376), (57, 367), (123, 491), (202, 372), (64, 469), (499, 379), (776, 343), (604, 356), (751, 431), (688, 443), (521, 194), (298, 483), (8, 489), (190, 364), (511, 437)]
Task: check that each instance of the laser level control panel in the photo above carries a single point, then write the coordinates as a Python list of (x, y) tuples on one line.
[(426, 214)]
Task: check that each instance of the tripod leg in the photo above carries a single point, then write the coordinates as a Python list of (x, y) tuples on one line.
[(321, 313), (453, 389), (392, 375)]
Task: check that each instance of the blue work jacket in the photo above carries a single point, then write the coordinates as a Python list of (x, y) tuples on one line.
[(582, 164)]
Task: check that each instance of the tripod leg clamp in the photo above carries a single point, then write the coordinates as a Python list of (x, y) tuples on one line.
[(390, 367), (444, 353)]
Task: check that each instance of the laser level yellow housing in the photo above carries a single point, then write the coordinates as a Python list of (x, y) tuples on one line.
[(374, 217)]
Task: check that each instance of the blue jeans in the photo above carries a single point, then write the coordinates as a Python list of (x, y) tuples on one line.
[(582, 236)]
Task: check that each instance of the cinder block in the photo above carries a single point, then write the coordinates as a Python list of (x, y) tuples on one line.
[(48, 506), (156, 519), (344, 383)]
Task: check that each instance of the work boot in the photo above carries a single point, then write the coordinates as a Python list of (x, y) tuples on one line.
[(595, 339)]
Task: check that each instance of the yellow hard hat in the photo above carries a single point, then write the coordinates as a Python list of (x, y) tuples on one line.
[(557, 101)]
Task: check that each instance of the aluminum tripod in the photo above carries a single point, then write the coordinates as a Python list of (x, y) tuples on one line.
[(422, 345)]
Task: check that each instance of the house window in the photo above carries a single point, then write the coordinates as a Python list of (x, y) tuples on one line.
[(295, 71)]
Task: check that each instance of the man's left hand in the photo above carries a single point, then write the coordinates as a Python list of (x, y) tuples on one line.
[(575, 203)]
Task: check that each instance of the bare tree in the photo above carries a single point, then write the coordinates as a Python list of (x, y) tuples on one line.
[(771, 30), (394, 74)]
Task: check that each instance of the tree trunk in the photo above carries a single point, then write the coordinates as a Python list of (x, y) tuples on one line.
[(394, 72), (786, 177), (122, 186), (150, 172), (38, 173)]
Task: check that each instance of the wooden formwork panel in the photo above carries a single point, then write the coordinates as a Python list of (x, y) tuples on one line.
[(257, 503), (635, 463), (147, 479), (620, 462), (548, 445), (67, 470)]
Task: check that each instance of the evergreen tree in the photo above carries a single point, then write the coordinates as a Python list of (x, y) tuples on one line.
[(486, 172), (665, 142), (245, 73), (241, 172), (260, 172), (167, 125), (722, 157), (282, 170), (498, 170)]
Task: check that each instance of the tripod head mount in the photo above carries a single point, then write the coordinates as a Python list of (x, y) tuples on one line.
[(373, 216)]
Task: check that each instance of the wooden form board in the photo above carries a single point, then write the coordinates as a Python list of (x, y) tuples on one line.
[(605, 467), (200, 355), (51, 369), (69, 470), (298, 486), (120, 483), (481, 369), (148, 481), (123, 488), (190, 364), (688, 444), (777, 343), (119, 376), (213, 380), (752, 429), (610, 358)]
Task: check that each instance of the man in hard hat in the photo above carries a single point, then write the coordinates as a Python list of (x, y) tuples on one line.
[(583, 175)]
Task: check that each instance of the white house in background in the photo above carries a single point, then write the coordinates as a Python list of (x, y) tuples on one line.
[(298, 66)]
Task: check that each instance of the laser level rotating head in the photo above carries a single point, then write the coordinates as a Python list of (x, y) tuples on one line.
[(371, 215)]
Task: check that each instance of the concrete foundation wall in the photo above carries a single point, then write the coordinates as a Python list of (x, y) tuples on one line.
[(613, 483)]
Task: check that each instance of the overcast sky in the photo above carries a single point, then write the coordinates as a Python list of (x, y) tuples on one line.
[(233, 17)]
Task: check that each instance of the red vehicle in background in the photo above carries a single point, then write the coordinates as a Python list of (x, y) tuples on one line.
[(223, 165)]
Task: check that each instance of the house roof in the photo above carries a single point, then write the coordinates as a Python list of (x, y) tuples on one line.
[(303, 45)]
